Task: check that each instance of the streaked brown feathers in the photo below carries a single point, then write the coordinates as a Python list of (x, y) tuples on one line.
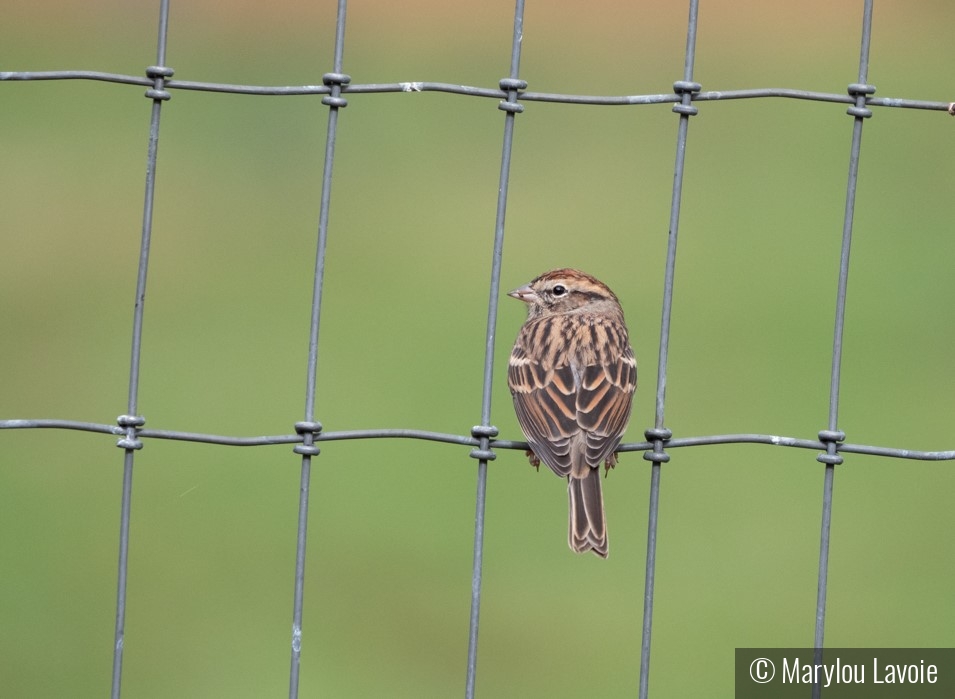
[(572, 375)]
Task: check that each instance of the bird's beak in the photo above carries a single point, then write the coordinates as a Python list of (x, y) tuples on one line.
[(524, 293)]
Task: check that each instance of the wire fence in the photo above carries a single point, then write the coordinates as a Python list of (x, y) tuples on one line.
[(512, 91)]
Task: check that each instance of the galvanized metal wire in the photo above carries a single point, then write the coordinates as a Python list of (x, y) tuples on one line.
[(470, 91), (309, 427), (483, 438)]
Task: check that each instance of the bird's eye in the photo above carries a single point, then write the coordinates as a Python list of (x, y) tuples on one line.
[(559, 290)]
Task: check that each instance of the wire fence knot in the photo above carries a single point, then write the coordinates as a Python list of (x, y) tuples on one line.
[(309, 431), (132, 425), (661, 434), (159, 75), (860, 91), (832, 439), (335, 81), (339, 79), (658, 436), (308, 427), (159, 72), (489, 431), (485, 433), (510, 87), (686, 90)]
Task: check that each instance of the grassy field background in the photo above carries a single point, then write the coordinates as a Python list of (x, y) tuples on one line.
[(411, 226)]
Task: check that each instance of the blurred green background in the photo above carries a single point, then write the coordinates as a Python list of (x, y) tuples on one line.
[(411, 227)]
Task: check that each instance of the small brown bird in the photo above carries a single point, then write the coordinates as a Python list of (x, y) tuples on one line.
[(572, 375)]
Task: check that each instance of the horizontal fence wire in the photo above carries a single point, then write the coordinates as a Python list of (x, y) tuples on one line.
[(511, 92), (466, 440), (145, 434), (488, 92)]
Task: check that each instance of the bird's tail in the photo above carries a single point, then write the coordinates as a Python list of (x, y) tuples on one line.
[(588, 525)]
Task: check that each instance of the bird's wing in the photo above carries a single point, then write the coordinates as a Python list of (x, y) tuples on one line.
[(546, 405), (603, 404), (569, 412)]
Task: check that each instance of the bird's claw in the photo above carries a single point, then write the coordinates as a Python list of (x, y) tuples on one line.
[(610, 463)]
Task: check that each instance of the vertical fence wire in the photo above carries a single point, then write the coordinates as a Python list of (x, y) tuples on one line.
[(131, 421), (485, 431), (310, 428), (659, 434), (832, 436)]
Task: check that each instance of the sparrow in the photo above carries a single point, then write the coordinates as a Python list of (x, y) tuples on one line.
[(572, 375)]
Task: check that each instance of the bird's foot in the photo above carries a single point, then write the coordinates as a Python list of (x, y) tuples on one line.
[(610, 463)]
